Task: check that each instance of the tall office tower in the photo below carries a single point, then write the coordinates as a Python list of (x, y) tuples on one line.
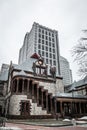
[(65, 70), (43, 41)]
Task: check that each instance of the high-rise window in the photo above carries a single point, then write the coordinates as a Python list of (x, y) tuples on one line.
[(47, 61), (46, 38), (49, 33), (49, 43), (46, 54), (53, 56), (49, 38), (43, 31), (54, 62), (52, 35), (42, 47), (39, 30), (53, 50), (50, 55), (46, 32), (42, 53), (53, 45), (39, 46), (50, 62), (49, 49), (42, 41), (43, 36), (46, 48), (39, 40), (52, 39), (39, 35), (46, 42)]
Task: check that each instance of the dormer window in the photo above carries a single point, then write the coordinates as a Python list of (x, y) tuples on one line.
[(40, 68)]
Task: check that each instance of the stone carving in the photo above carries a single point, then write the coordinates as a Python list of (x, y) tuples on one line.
[(53, 71)]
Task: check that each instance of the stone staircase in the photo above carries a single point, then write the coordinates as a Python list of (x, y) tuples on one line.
[(42, 102)]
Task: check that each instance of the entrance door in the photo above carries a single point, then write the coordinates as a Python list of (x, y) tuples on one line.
[(25, 108)]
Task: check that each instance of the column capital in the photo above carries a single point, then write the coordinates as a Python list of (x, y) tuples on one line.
[(46, 93), (55, 100), (42, 90), (33, 82), (51, 96), (28, 79), (17, 78)]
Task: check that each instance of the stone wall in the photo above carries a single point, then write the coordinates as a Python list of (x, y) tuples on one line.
[(59, 86), (37, 110), (14, 107), (48, 86), (53, 87)]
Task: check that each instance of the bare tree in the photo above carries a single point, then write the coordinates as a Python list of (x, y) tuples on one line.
[(80, 55)]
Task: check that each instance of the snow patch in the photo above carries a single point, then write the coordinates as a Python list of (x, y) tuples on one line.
[(10, 128), (83, 118), (66, 120)]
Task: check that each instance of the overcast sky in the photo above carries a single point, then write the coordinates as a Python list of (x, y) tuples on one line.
[(69, 17)]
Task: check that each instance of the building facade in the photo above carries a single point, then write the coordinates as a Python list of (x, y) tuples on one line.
[(65, 70), (43, 41), (28, 91)]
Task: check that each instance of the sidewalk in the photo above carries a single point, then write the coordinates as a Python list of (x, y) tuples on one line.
[(32, 127), (46, 124)]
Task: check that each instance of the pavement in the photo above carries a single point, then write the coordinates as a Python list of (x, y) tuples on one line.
[(45, 124), (34, 127)]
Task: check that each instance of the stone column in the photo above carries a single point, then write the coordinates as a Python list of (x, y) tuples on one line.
[(33, 91), (84, 106), (28, 87), (22, 86), (75, 107), (80, 107), (24, 108), (12, 86), (47, 101), (55, 106), (42, 97), (37, 94), (86, 90), (17, 85), (51, 102), (61, 107)]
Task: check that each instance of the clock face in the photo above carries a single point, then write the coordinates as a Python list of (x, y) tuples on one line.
[(40, 62)]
